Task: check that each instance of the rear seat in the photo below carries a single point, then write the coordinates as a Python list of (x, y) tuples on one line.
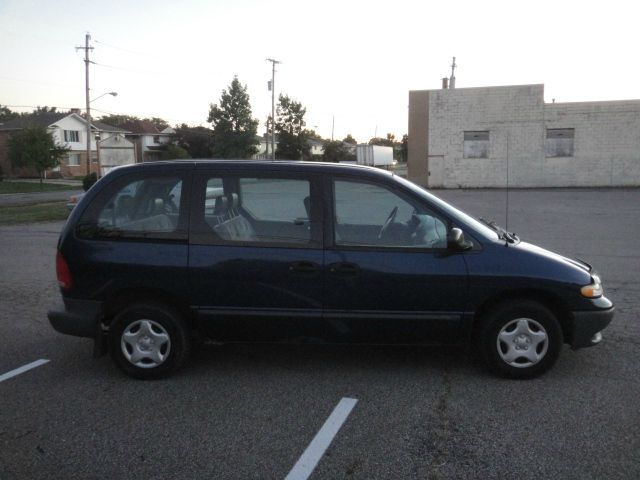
[(236, 229)]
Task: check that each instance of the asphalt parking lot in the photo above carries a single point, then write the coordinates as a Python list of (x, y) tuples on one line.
[(247, 411)]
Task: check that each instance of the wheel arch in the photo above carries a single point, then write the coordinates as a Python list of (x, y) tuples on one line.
[(122, 298), (548, 299)]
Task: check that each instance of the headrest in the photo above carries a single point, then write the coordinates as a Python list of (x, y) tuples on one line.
[(234, 201)]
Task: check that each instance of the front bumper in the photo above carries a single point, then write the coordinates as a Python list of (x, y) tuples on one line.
[(585, 326), (79, 318)]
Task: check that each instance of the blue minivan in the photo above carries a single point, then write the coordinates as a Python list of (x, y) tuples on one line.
[(157, 256)]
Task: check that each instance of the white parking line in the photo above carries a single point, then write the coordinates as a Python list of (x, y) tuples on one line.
[(24, 368), (314, 452)]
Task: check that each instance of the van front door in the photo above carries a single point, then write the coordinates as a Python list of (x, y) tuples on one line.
[(389, 276)]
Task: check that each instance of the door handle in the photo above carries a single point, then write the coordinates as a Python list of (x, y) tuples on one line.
[(304, 267), (344, 268)]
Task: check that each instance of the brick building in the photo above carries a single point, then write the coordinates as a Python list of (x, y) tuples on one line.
[(471, 137)]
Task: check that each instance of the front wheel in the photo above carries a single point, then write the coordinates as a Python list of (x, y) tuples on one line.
[(520, 339), (149, 341)]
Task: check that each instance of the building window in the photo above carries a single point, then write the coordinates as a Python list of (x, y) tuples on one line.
[(73, 160), (559, 142), (476, 144), (71, 136), (156, 139)]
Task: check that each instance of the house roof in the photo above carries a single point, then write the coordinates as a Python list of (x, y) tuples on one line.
[(39, 120), (105, 127), (141, 127), (47, 119)]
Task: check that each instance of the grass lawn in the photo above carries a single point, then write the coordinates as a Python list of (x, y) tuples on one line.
[(28, 187), (40, 212)]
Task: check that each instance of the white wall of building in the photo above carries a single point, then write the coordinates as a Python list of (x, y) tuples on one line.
[(606, 141), (72, 123)]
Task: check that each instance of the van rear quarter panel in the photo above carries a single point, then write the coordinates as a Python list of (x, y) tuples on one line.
[(102, 268)]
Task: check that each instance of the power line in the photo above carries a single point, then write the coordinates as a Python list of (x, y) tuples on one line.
[(37, 82), (120, 48), (127, 69)]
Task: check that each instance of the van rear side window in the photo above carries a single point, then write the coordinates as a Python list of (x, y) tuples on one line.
[(147, 208)]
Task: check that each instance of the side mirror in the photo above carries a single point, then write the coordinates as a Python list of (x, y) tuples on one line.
[(456, 240)]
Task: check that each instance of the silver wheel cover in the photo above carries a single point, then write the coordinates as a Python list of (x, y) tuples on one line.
[(522, 343), (145, 344)]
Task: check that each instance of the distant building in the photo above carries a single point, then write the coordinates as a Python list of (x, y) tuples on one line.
[(150, 143), (473, 137), (70, 130)]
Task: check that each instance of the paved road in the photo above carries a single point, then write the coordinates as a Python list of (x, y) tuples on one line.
[(249, 412), (7, 199)]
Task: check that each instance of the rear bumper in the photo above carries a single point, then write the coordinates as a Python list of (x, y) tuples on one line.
[(79, 318), (587, 325)]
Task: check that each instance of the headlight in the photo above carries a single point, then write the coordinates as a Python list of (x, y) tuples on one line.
[(594, 289)]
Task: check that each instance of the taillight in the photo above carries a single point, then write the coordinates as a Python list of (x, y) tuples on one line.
[(62, 270)]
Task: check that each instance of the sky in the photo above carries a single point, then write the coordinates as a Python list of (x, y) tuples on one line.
[(350, 63)]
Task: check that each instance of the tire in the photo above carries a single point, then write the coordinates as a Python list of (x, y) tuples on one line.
[(149, 341), (520, 339)]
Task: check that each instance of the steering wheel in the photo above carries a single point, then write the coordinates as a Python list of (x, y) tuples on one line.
[(388, 221)]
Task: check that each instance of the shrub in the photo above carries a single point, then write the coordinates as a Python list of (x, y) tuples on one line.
[(89, 180)]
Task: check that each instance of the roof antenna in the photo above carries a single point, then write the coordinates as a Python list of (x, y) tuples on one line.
[(506, 213), (452, 80)]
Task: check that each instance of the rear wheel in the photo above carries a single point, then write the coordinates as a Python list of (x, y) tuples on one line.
[(149, 341), (520, 339)]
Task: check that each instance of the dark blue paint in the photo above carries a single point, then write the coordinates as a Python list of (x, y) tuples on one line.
[(376, 295)]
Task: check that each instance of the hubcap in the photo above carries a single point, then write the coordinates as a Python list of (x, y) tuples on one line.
[(522, 342), (145, 343)]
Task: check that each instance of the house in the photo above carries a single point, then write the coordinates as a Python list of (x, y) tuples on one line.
[(316, 147), (509, 136), (149, 142), (69, 129)]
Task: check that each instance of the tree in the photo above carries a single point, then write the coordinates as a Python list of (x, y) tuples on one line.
[(35, 148), (174, 152), (350, 139), (335, 151), (197, 141), (119, 120), (312, 134), (6, 114), (159, 123), (405, 147), (385, 142), (292, 138), (234, 129), (45, 109)]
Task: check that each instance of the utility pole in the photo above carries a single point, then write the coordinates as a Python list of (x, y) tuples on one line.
[(333, 124), (272, 86), (86, 49)]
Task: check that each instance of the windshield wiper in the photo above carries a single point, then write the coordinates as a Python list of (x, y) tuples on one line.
[(502, 233)]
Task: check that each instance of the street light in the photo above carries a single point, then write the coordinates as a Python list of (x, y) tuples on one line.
[(114, 94)]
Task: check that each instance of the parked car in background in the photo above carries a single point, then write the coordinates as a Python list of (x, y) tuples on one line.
[(155, 255), (73, 200)]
